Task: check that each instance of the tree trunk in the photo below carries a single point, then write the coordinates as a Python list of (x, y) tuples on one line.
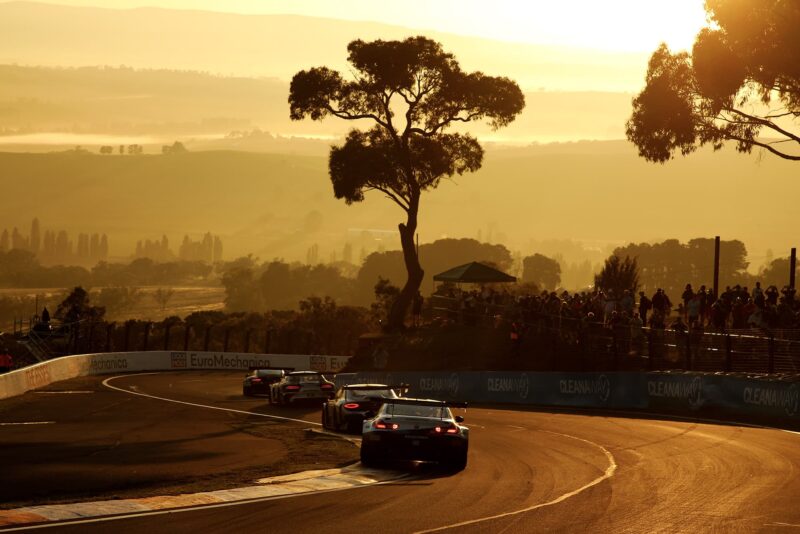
[(408, 231)]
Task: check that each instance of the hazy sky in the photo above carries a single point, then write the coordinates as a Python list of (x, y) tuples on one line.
[(630, 25)]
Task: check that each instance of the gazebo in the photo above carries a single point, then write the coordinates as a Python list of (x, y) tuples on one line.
[(474, 273)]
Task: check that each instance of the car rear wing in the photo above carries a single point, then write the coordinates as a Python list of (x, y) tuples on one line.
[(262, 368), (401, 388), (425, 402)]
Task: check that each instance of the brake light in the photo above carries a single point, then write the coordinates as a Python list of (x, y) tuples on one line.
[(255, 380), (352, 405), (292, 388), (326, 386), (386, 425), (445, 430)]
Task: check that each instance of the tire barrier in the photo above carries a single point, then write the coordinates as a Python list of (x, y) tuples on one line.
[(759, 400), (45, 373)]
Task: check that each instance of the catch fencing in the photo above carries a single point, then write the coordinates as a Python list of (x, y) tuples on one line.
[(545, 342)]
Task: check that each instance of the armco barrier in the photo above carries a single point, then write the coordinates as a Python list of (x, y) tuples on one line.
[(759, 400), (40, 375)]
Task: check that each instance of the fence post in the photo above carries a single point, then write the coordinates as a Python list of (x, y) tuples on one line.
[(91, 337), (127, 336), (146, 335), (186, 331), (167, 328), (208, 338), (688, 350), (75, 338), (109, 332), (227, 338), (614, 349), (267, 339), (247, 340), (650, 352), (728, 353), (771, 349)]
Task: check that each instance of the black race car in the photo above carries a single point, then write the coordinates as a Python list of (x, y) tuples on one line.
[(258, 380), (301, 385), (415, 429), (346, 410)]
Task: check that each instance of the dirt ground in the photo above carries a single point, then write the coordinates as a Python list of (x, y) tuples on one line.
[(93, 443)]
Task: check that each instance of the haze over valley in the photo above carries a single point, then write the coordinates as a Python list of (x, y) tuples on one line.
[(150, 77)]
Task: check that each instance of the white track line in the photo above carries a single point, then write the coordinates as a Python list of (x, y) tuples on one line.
[(609, 472), (196, 405), (61, 392), (30, 423)]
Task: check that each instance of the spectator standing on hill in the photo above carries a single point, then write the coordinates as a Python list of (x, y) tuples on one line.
[(645, 304), (688, 294), (626, 303), (693, 310), (772, 295)]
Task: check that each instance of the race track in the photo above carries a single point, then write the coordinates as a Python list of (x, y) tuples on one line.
[(529, 471)]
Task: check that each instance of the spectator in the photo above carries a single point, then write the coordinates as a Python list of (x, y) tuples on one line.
[(644, 306)]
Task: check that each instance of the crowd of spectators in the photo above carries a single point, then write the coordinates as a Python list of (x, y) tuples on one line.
[(736, 308)]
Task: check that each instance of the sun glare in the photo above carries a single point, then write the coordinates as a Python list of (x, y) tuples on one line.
[(619, 25)]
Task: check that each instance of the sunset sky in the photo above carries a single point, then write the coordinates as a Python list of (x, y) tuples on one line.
[(622, 25)]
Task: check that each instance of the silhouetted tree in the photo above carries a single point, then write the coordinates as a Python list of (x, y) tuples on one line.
[(412, 91), (617, 275), (540, 270), (76, 307), (741, 80)]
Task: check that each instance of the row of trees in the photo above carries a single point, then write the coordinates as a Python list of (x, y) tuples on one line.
[(21, 269)]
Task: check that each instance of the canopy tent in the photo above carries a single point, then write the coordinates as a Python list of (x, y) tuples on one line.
[(474, 273)]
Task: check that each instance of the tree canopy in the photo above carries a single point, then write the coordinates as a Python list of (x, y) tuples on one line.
[(411, 91), (741, 83)]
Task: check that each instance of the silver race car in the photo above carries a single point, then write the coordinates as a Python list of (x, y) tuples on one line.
[(415, 429)]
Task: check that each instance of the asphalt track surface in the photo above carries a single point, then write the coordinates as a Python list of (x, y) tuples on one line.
[(528, 471)]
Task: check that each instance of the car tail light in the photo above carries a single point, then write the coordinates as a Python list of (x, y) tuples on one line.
[(386, 425), (326, 386), (352, 405), (445, 429), (292, 388), (255, 380)]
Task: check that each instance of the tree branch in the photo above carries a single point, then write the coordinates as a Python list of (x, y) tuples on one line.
[(764, 122), (398, 199), (766, 146)]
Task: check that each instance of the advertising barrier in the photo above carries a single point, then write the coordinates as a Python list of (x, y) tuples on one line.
[(762, 400), (45, 373)]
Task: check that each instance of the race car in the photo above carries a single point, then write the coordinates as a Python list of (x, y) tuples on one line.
[(346, 410), (301, 385), (258, 380), (415, 429)]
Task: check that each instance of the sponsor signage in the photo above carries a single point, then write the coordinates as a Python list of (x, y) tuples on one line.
[(776, 398), (676, 391)]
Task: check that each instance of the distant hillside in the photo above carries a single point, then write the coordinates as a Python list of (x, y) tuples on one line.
[(274, 45), (164, 104), (278, 205)]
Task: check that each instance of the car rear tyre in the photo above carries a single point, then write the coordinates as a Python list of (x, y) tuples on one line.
[(458, 462), (325, 418), (246, 392), (369, 458)]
